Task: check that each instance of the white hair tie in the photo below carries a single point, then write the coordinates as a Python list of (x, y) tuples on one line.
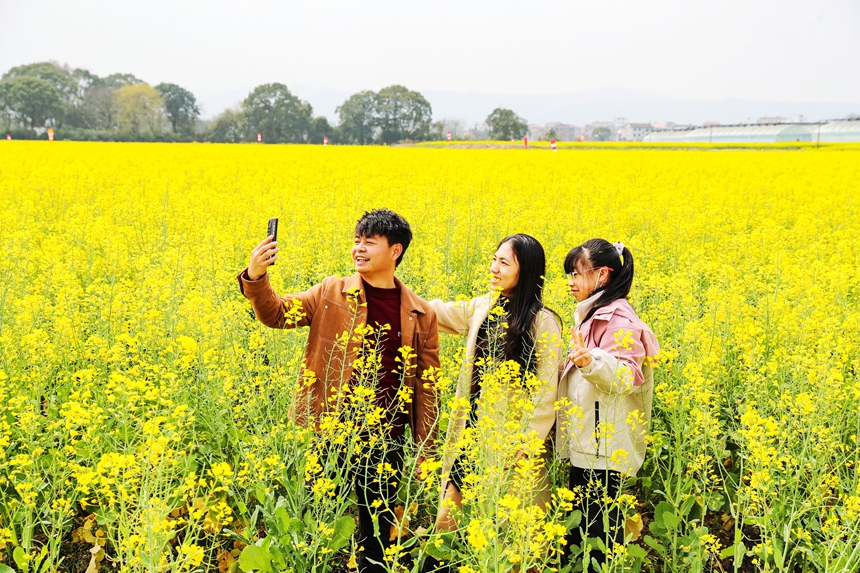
[(619, 247)]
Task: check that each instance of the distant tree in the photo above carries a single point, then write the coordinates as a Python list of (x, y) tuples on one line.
[(601, 134), (402, 114), (320, 129), (57, 76), (550, 135), (5, 111), (80, 113), (139, 106), (98, 109), (276, 113), (61, 79), (357, 118), (180, 107), (505, 124), (227, 127), (116, 81), (32, 101)]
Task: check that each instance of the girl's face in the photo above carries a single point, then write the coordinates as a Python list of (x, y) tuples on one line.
[(584, 281), (505, 269)]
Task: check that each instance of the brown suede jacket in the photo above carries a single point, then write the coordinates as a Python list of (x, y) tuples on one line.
[(330, 310)]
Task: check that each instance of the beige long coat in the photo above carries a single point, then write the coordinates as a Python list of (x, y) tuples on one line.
[(465, 318)]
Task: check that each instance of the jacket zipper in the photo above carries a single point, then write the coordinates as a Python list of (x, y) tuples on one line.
[(596, 426)]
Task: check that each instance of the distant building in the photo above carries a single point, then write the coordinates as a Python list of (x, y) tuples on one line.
[(536, 131), (780, 119), (589, 130), (662, 125), (564, 131), (634, 131)]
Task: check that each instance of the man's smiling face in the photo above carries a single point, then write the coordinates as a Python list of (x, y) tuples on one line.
[(372, 255)]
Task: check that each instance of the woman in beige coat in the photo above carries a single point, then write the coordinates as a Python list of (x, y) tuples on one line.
[(509, 323)]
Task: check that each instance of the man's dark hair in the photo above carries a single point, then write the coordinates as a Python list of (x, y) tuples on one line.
[(388, 224)]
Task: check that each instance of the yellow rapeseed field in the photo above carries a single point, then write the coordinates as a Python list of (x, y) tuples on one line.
[(144, 412)]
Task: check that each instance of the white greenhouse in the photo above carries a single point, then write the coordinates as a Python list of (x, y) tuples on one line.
[(832, 131)]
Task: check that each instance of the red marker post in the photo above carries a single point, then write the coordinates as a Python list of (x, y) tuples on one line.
[(449, 136), (526, 142), (325, 141), (50, 134), (8, 137), (259, 137), (552, 143)]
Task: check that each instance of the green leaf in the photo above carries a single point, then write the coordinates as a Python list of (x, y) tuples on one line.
[(636, 552), (283, 520), (105, 517), (687, 505), (20, 558), (727, 552), (662, 508), (343, 529), (297, 525), (259, 493), (573, 520), (716, 502), (6, 569), (740, 551), (255, 558), (444, 551), (671, 520), (655, 545)]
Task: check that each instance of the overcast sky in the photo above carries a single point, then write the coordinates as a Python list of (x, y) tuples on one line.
[(776, 50)]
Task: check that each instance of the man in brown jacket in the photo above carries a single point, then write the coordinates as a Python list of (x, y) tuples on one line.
[(372, 296)]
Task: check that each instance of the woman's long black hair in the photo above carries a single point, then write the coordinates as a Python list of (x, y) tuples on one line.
[(525, 300), (595, 253)]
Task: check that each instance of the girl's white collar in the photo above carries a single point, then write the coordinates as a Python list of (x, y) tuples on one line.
[(583, 307)]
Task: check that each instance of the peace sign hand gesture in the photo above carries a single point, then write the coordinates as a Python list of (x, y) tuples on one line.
[(580, 355)]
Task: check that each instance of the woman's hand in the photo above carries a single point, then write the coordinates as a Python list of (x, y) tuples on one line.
[(262, 256), (580, 356)]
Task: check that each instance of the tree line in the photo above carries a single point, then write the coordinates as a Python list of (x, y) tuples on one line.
[(80, 105)]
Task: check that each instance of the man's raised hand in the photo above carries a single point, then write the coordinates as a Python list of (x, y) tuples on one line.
[(262, 256)]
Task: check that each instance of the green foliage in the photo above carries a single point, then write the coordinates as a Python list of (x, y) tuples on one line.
[(273, 111), (320, 129), (394, 114), (139, 107), (228, 127), (402, 114), (31, 100), (505, 124), (116, 81), (357, 118), (59, 78), (601, 134), (180, 107)]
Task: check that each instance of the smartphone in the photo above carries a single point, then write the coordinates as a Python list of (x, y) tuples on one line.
[(273, 230)]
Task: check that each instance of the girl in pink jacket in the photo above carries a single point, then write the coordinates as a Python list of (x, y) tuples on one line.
[(608, 382)]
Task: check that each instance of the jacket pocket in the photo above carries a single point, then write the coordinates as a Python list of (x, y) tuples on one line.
[(420, 339)]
